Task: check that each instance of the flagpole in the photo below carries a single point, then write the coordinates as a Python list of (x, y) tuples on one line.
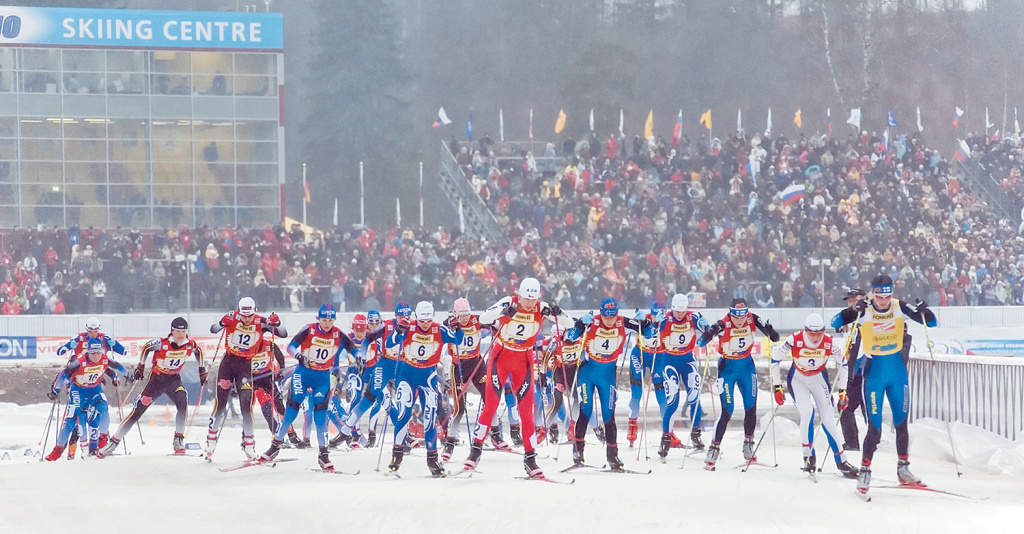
[(362, 206), (421, 194), (304, 186)]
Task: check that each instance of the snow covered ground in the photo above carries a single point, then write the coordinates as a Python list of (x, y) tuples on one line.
[(148, 491)]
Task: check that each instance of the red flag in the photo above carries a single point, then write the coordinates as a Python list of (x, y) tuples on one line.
[(305, 187), (677, 131)]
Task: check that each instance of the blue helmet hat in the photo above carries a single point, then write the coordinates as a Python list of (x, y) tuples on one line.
[(373, 316), (738, 308), (657, 308), (327, 312), (403, 309), (609, 307), (95, 345), (881, 285)]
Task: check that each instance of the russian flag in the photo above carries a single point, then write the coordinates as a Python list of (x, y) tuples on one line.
[(963, 152), (792, 194), (442, 119)]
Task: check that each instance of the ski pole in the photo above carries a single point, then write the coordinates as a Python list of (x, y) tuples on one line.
[(949, 428), (120, 415), (202, 389), (383, 434), (703, 379), (756, 447), (49, 420)]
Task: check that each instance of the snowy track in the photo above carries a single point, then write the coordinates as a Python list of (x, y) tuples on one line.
[(186, 494)]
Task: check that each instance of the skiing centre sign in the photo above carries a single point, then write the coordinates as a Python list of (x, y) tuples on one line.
[(17, 348)]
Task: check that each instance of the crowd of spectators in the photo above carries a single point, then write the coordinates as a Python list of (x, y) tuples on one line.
[(637, 220)]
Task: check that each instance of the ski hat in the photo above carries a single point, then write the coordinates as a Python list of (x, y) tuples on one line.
[(680, 302), (403, 309), (529, 288), (461, 307), (424, 311), (246, 306), (609, 307), (94, 345), (179, 323), (738, 308), (373, 316), (882, 285), (92, 323), (814, 323), (327, 312), (359, 321), (855, 292), (657, 307)]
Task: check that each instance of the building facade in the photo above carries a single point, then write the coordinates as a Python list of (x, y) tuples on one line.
[(142, 119)]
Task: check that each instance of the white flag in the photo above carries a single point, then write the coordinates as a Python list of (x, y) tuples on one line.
[(501, 125), (1016, 125), (591, 119), (462, 219), (621, 122), (919, 127), (854, 119), (335, 211), (442, 118), (768, 130), (398, 212), (739, 120), (988, 124)]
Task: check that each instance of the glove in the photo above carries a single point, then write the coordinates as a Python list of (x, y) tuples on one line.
[(52, 394), (360, 364), (203, 375), (452, 322), (274, 320), (780, 395), (844, 400), (115, 381), (301, 359), (639, 315), (861, 306), (660, 317), (588, 319), (140, 370), (922, 306), (553, 311), (235, 315), (510, 310)]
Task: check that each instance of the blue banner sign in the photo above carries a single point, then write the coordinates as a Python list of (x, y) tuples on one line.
[(17, 348), (220, 30)]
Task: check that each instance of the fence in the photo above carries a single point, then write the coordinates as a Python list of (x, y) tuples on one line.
[(987, 392)]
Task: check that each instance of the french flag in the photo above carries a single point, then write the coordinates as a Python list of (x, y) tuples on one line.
[(792, 194)]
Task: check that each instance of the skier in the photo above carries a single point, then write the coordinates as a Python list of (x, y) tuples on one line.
[(243, 337), (422, 347), (565, 351), (167, 356), (604, 340), (469, 363), (811, 349), (86, 400), (855, 387), (518, 321), (886, 347), (266, 364), (675, 369), (736, 368), (317, 347), (641, 360)]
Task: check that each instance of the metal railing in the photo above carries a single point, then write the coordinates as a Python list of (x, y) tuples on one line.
[(480, 222)]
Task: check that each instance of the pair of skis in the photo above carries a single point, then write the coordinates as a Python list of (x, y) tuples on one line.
[(917, 487), (605, 469)]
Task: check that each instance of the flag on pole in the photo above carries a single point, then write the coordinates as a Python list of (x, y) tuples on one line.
[(988, 124), (768, 129), (797, 120), (919, 127), (828, 119), (462, 218), (1016, 125), (957, 113), (560, 122), (705, 119), (335, 211), (649, 125), (501, 125), (469, 126), (442, 119), (963, 152), (531, 124), (854, 119), (739, 120), (677, 130), (305, 188), (792, 194), (622, 117), (591, 119), (892, 120), (885, 139), (398, 212)]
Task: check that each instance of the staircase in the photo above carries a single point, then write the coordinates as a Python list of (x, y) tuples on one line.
[(479, 221)]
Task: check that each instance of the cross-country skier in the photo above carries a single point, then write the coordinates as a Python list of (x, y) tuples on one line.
[(641, 360), (855, 386)]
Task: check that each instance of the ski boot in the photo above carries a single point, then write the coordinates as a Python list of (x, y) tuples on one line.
[(249, 447), (54, 454), (436, 470), (666, 444), (577, 453), (810, 464), (864, 478), (851, 446), (475, 450), (599, 432), (516, 434), (613, 458), (676, 442), (748, 449), (397, 453), (303, 444), (102, 443), (178, 443), (496, 439), (272, 452), (530, 464), (338, 440), (848, 470), (211, 443), (293, 438), (553, 433), (631, 434), (541, 433), (449, 448), (905, 476), (712, 458), (72, 449), (324, 459), (371, 439), (695, 441), (112, 446)]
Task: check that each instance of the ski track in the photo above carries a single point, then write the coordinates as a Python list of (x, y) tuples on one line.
[(175, 495)]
